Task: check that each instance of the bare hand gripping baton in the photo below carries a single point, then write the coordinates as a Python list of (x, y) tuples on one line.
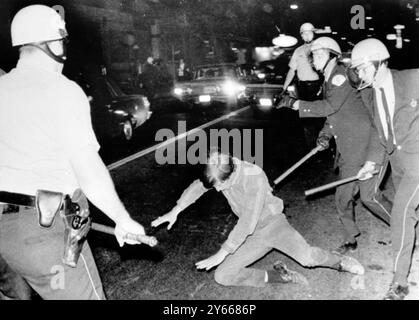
[(150, 241), (334, 184)]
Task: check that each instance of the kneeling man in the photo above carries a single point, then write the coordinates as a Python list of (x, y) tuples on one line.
[(261, 227)]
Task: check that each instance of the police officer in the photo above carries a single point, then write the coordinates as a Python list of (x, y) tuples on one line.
[(12, 286), (394, 103), (308, 83), (47, 142), (349, 123)]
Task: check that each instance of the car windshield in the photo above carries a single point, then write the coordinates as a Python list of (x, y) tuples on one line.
[(113, 87), (215, 72)]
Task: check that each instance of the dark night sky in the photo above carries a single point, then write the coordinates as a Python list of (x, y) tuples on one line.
[(261, 16), (337, 14)]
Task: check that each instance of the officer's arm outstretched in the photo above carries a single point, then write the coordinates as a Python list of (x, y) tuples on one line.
[(96, 183)]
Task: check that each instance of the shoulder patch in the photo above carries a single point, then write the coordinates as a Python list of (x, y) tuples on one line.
[(338, 80)]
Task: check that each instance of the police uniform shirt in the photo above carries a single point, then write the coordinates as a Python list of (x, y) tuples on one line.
[(44, 120), (388, 86), (300, 62)]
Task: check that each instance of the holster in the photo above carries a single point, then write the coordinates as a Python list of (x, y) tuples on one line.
[(77, 225), (48, 204)]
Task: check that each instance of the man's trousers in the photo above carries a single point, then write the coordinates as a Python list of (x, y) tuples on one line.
[(274, 233), (370, 195), (404, 217)]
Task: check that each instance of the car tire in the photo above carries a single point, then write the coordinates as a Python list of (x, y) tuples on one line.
[(127, 130)]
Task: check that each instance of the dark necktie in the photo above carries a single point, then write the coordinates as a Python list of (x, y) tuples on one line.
[(390, 136)]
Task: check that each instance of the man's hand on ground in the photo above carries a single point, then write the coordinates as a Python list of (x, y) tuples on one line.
[(212, 261), (170, 217)]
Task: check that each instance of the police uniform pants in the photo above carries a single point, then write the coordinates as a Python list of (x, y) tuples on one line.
[(12, 285), (274, 233), (404, 216), (370, 196), (36, 255)]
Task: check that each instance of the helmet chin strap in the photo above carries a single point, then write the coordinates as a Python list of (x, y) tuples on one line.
[(62, 58), (327, 63), (364, 85)]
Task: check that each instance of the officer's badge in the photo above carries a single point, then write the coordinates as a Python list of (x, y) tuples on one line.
[(338, 80), (414, 103)]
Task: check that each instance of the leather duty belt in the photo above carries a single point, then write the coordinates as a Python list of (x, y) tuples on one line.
[(17, 199)]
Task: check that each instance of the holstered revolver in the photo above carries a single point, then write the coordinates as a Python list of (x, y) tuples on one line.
[(77, 225)]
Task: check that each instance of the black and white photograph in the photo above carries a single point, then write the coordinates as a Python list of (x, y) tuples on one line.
[(209, 155)]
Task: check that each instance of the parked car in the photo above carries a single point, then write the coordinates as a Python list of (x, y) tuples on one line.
[(114, 113), (264, 87), (220, 83)]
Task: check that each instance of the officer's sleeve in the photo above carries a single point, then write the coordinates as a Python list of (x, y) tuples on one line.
[(74, 126), (376, 151), (336, 94), (326, 131)]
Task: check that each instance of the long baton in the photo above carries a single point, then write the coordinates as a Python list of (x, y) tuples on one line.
[(150, 241), (334, 184), (299, 163)]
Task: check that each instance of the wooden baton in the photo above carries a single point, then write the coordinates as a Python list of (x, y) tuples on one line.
[(334, 184), (299, 163), (150, 241)]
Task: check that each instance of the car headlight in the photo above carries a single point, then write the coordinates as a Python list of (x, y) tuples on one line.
[(291, 89), (178, 91), (121, 112), (261, 76), (231, 88), (241, 88), (265, 102)]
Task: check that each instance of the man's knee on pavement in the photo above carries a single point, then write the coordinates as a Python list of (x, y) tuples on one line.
[(222, 277)]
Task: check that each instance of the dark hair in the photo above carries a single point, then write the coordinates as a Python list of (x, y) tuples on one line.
[(219, 171)]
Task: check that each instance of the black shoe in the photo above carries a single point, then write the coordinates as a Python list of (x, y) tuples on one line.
[(346, 247), (396, 292)]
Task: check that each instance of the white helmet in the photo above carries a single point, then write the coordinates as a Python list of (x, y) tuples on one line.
[(368, 50), (37, 23), (326, 43), (307, 27)]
